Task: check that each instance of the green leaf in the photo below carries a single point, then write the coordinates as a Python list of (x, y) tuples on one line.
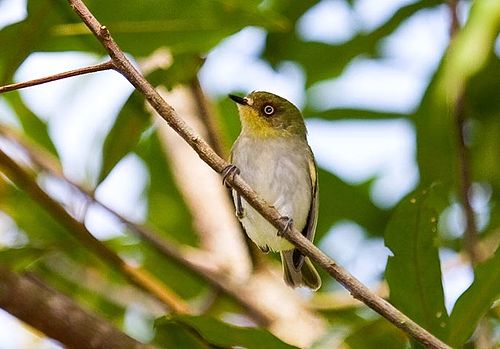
[(475, 301), (413, 272), (125, 133), (355, 205), (18, 259), (345, 113), (35, 33), (435, 118), (222, 334), (166, 208), (323, 61), (174, 335), (33, 126), (42, 229), (376, 334)]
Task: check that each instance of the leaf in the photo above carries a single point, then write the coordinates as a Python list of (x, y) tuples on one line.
[(434, 120), (323, 61), (34, 33), (475, 301), (413, 272), (222, 334), (18, 259), (376, 334), (345, 113), (42, 230), (32, 125), (340, 200), (166, 208), (125, 133), (174, 335)]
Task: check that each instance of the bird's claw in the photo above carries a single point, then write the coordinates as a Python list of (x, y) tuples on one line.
[(288, 225), (229, 171)]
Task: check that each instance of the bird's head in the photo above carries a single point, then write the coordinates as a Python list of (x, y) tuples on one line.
[(264, 114)]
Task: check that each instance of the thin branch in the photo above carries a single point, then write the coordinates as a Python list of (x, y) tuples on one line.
[(56, 315), (137, 276), (357, 289), (80, 71), (207, 117), (465, 182)]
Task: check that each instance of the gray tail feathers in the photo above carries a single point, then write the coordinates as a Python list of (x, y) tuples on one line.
[(302, 275)]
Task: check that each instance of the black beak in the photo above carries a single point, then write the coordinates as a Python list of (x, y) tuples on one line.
[(238, 99)]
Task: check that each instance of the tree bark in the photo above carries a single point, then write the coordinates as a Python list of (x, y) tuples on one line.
[(54, 314)]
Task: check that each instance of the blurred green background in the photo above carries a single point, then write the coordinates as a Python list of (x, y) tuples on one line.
[(391, 95)]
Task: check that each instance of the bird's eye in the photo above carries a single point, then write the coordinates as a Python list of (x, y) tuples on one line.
[(268, 110)]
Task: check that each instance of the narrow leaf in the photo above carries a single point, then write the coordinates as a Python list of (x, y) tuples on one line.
[(125, 133), (475, 301), (413, 272), (223, 334)]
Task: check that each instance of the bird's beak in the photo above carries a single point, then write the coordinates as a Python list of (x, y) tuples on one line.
[(239, 100)]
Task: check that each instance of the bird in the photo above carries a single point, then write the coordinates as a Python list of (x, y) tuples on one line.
[(273, 156)]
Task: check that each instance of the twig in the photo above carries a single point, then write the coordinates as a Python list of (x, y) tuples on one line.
[(470, 233), (357, 289), (80, 71), (207, 118), (56, 315), (138, 276)]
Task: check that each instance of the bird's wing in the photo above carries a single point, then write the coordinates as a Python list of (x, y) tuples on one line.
[(312, 217)]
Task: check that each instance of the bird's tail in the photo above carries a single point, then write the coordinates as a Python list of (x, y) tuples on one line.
[(303, 275)]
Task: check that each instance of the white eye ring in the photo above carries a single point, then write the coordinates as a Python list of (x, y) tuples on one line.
[(268, 110)]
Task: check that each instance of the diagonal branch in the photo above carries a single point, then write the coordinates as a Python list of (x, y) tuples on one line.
[(33, 302), (80, 71), (137, 276), (357, 289)]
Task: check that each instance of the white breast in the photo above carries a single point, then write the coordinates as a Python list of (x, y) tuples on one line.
[(277, 169)]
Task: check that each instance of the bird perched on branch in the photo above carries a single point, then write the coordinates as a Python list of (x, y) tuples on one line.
[(272, 155)]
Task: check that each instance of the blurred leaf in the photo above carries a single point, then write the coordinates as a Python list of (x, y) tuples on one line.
[(376, 334), (342, 114), (323, 61), (42, 230), (125, 133), (183, 26), (435, 118), (30, 35), (340, 201), (413, 272), (225, 335), (184, 69), (33, 126), (166, 208), (177, 277), (18, 259), (475, 301), (174, 335)]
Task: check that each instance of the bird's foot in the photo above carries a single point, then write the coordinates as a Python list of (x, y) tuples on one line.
[(288, 225), (229, 171)]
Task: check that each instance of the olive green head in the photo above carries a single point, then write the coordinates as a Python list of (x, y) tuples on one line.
[(264, 114)]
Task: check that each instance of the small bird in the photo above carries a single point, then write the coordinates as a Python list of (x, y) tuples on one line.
[(272, 155)]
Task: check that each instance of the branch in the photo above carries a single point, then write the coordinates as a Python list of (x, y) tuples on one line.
[(57, 316), (470, 233), (137, 276), (357, 289), (80, 71)]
